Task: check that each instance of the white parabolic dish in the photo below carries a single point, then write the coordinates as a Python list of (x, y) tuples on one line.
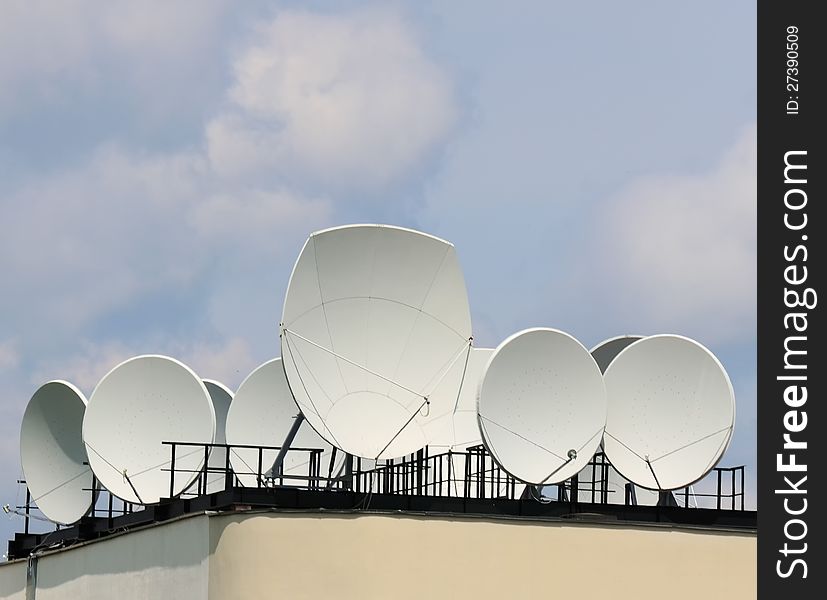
[(459, 429), (221, 397), (541, 397), (606, 351), (262, 414), (137, 406), (52, 452), (374, 319), (671, 403)]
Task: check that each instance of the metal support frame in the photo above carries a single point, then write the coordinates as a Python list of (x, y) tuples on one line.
[(419, 480), (275, 468)]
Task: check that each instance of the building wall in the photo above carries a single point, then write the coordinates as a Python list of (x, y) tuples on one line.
[(363, 556), (167, 561), (13, 580), (403, 556)]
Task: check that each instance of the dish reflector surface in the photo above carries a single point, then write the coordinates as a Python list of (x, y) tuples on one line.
[(459, 429), (374, 319), (671, 403), (541, 398), (606, 351), (52, 452), (139, 404), (262, 414), (221, 397)]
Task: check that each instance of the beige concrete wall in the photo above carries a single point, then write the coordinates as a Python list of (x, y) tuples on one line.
[(325, 555), (376, 556), (168, 561), (13, 580)]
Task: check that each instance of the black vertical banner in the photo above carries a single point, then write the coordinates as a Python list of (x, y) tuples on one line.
[(792, 436)]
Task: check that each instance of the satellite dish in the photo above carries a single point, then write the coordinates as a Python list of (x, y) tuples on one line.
[(52, 452), (138, 405), (542, 406), (604, 353), (671, 412), (262, 414), (221, 397), (374, 319), (458, 429)]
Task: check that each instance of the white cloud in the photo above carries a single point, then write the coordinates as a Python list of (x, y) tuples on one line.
[(348, 100), (257, 216), (33, 50), (88, 239), (105, 233), (147, 48), (228, 361), (108, 233), (681, 249), (83, 366)]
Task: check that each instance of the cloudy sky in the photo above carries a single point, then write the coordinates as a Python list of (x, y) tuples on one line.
[(162, 163)]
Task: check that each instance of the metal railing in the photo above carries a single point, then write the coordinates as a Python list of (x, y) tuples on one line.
[(468, 474)]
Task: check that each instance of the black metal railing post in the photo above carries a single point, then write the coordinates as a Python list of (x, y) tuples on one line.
[(228, 473), (742, 488), (206, 471), (27, 510), (258, 472), (172, 473)]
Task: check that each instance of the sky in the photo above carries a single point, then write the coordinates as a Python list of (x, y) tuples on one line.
[(161, 165)]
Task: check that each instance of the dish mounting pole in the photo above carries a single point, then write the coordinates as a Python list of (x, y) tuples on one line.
[(288, 441)]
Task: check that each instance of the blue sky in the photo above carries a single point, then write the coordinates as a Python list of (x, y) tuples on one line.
[(162, 163)]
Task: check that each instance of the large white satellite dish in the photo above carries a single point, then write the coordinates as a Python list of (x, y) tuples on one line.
[(262, 414), (606, 351), (52, 452), (138, 405), (542, 406), (671, 412), (221, 397), (375, 317)]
